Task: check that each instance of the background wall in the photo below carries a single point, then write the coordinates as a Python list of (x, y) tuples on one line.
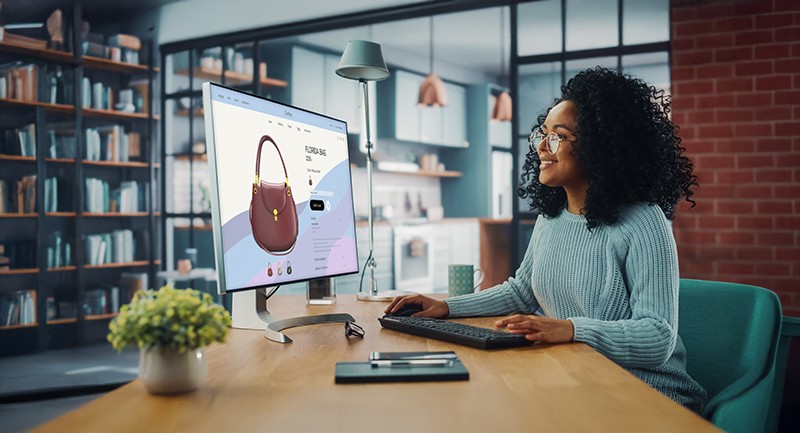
[(736, 96)]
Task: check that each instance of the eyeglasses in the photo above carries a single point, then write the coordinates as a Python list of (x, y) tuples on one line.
[(552, 142), (353, 330)]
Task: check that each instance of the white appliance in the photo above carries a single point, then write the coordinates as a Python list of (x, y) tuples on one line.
[(413, 258)]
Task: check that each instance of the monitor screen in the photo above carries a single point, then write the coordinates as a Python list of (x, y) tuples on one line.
[(282, 199)]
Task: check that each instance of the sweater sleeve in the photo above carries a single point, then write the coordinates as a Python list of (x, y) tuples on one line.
[(513, 296), (648, 338)]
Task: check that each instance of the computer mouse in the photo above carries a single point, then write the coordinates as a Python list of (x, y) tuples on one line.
[(407, 310)]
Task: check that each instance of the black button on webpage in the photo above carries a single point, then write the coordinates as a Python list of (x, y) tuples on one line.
[(317, 205)]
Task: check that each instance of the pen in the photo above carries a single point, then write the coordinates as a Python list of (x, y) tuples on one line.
[(412, 363)]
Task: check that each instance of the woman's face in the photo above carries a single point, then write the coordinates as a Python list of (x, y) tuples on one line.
[(562, 168)]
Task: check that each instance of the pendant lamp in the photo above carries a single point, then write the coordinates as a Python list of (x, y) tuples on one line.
[(431, 92), (502, 104)]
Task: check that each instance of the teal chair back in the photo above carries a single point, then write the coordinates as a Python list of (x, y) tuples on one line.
[(731, 335)]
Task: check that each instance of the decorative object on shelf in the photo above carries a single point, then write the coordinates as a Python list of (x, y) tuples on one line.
[(363, 61), (171, 327), (502, 104), (431, 92)]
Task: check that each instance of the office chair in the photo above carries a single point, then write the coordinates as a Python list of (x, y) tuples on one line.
[(731, 334)]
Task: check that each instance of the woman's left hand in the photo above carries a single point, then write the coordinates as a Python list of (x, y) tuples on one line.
[(538, 328)]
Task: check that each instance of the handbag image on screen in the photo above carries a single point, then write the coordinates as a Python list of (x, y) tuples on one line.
[(273, 215)]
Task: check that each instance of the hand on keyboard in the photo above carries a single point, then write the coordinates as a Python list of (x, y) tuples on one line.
[(430, 307)]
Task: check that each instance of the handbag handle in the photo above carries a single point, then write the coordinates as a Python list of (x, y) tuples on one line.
[(258, 161)]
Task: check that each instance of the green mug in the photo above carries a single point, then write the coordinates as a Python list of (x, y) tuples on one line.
[(460, 279)]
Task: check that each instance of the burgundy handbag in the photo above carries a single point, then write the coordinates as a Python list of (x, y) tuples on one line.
[(273, 215)]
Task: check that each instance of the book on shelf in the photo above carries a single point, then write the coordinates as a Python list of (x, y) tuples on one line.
[(97, 195), (59, 251), (112, 143), (18, 308), (18, 255), (4, 202), (118, 246), (11, 37), (122, 40), (95, 301), (61, 143), (132, 282), (19, 196), (19, 141), (30, 82), (130, 197)]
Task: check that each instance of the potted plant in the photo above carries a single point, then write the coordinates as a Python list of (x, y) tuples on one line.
[(171, 327)]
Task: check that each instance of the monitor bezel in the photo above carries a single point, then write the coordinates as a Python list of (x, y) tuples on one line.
[(216, 220)]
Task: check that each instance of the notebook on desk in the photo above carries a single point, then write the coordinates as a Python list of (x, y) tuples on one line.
[(401, 371)]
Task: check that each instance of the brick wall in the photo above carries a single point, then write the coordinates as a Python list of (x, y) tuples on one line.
[(736, 96)]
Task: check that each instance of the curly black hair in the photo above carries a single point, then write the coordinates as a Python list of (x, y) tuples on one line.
[(627, 145)]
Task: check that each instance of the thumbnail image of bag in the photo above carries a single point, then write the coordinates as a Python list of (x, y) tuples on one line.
[(273, 215)]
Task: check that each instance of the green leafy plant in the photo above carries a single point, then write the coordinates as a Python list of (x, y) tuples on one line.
[(180, 319)]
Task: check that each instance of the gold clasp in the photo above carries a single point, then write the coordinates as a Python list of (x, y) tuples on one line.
[(275, 214)]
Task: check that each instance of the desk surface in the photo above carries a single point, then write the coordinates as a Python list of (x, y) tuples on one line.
[(256, 385)]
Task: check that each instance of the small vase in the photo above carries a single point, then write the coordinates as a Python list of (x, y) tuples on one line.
[(164, 370)]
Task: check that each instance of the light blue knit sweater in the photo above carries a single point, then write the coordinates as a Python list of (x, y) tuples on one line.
[(617, 284)]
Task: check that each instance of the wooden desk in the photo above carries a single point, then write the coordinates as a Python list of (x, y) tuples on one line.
[(256, 385)]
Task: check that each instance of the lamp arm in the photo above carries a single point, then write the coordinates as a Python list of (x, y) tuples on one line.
[(373, 286)]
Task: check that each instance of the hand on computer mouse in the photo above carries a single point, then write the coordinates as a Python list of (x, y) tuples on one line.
[(428, 307)]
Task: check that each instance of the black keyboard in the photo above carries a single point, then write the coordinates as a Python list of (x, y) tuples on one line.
[(458, 333)]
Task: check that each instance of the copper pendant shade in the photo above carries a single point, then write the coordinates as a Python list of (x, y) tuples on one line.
[(431, 91), (502, 108)]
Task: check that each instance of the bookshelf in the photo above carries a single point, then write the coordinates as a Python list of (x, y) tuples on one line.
[(57, 287)]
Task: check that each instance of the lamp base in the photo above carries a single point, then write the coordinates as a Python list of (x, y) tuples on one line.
[(385, 296)]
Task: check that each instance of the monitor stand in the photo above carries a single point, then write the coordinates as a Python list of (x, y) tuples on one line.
[(250, 312)]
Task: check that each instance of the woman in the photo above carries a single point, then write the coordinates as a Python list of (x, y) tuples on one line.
[(605, 170)]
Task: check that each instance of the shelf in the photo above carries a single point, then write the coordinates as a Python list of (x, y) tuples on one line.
[(111, 65), (118, 265), (197, 157), (17, 158), (100, 316), (19, 215), (61, 214), (196, 112), (26, 325), (61, 160), (16, 103), (113, 114), (115, 214), (20, 271), (62, 321), (42, 53), (136, 164), (424, 173), (63, 269), (231, 77)]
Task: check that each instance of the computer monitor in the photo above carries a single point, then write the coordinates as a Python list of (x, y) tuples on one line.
[(281, 202)]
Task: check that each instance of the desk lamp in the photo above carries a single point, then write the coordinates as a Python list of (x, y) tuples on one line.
[(363, 61)]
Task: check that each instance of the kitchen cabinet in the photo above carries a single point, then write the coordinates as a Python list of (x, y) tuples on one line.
[(455, 242), (401, 118)]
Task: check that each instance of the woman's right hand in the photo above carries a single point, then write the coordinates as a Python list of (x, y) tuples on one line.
[(430, 307)]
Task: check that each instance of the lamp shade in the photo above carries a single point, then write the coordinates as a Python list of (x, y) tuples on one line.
[(502, 108), (432, 93), (362, 60)]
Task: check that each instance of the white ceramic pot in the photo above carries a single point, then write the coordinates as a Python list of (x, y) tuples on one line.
[(165, 371)]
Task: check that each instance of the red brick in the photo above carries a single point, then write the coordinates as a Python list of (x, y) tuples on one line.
[(686, 132), (738, 54), (788, 66), (733, 115), (791, 34), (734, 85), (715, 161), (734, 24), (726, 207), (787, 192), (682, 44), (695, 267), (788, 223), (736, 146), (679, 118), (682, 74), (773, 21), (777, 176), (692, 58), (754, 68), (699, 117), (715, 71), (716, 40), (716, 222), (776, 238), (734, 176), (769, 144), (754, 130), (774, 113), (691, 28), (755, 161), (774, 82), (787, 97), (795, 50), (752, 100), (786, 5), (773, 268), (683, 102), (787, 129), (715, 101), (753, 191), (694, 87), (754, 7), (787, 253), (796, 114), (679, 14), (754, 37), (774, 207), (701, 146), (754, 222), (699, 236), (720, 9), (777, 51), (717, 131), (755, 253), (735, 268)]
